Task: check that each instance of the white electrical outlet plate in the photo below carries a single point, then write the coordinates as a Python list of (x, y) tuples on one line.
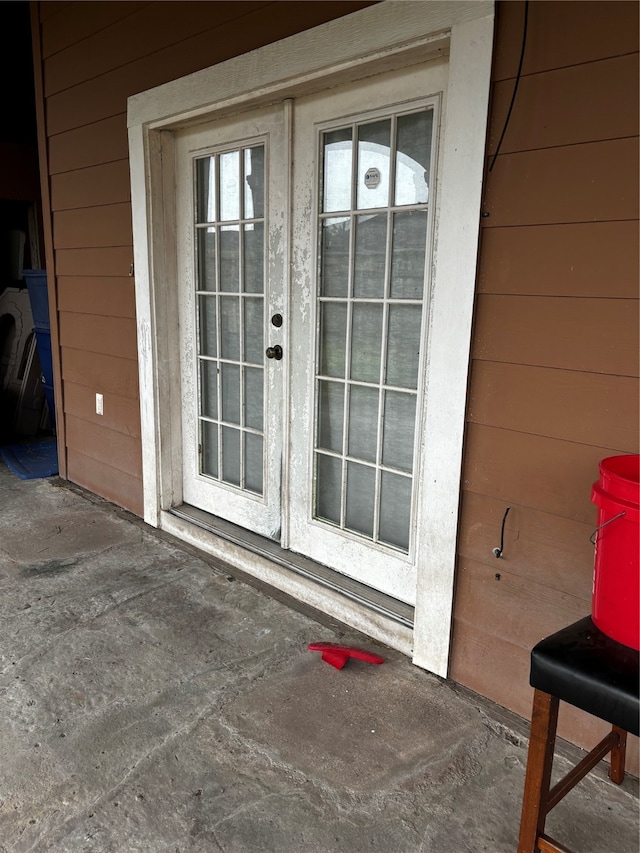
[(99, 405)]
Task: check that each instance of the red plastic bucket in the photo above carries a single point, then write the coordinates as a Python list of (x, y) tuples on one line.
[(616, 587)]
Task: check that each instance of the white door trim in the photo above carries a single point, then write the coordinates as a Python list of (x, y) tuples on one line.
[(392, 34)]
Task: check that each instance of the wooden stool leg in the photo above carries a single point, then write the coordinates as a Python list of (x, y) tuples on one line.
[(618, 756), (544, 722)]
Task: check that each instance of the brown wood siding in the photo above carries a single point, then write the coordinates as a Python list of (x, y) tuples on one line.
[(93, 56), (121, 415), (91, 227), (105, 184), (561, 34), (101, 373), (99, 97), (74, 22), (91, 145), (586, 259), (538, 394), (553, 385), (597, 335), (104, 479), (109, 297), (587, 106)]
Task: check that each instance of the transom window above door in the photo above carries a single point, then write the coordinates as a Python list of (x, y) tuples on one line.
[(374, 184)]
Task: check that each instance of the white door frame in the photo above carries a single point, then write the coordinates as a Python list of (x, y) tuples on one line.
[(390, 35)]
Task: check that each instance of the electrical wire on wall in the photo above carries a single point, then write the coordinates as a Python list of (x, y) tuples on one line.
[(517, 83)]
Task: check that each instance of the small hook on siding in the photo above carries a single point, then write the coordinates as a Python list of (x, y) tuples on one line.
[(497, 552)]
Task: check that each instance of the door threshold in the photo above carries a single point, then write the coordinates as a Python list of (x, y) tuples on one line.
[(322, 575)]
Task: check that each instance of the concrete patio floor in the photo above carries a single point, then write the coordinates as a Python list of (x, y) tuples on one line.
[(150, 701)]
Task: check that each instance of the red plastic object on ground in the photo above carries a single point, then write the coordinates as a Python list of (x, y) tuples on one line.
[(616, 577), (337, 655)]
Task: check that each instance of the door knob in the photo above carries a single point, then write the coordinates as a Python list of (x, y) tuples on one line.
[(275, 352)]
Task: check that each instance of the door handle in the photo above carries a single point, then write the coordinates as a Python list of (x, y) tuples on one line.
[(275, 352)]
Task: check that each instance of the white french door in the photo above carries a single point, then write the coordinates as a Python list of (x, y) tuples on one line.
[(346, 308), (231, 194)]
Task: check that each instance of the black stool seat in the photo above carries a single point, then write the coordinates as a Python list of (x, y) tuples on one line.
[(586, 668), (582, 666)]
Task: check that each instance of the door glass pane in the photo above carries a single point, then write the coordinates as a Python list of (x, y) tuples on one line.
[(230, 327), (403, 345), (206, 189), (253, 464), (230, 186), (330, 415), (208, 326), (370, 256), (209, 389), (231, 455), (206, 259), (254, 182), (333, 338), (371, 282), (230, 393), (253, 394), (253, 330), (413, 157), (209, 440), (253, 248), (361, 494), (334, 278), (366, 342), (338, 166), (229, 258), (408, 256), (398, 430), (374, 164), (329, 488), (363, 422), (395, 510)]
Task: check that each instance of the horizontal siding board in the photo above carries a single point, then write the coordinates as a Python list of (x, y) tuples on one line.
[(552, 551), (593, 335), (93, 227), (112, 261), (97, 371), (90, 145), (584, 259), (582, 103), (496, 669), (49, 8), (120, 487), (163, 24), (97, 185), (593, 182), (121, 414), (562, 34), (108, 446), (585, 407), (77, 21), (512, 608), (114, 297), (106, 95), (500, 671), (92, 333), (546, 474)]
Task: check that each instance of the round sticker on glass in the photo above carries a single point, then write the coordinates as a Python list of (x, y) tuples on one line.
[(372, 178)]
